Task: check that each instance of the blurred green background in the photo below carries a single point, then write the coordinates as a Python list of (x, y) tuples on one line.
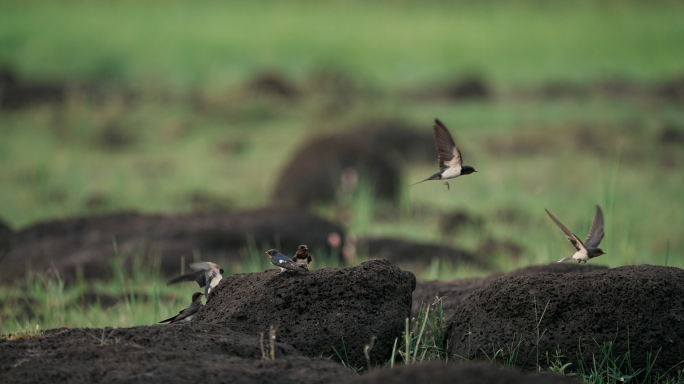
[(585, 106)]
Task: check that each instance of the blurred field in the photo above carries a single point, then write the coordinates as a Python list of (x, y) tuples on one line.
[(175, 122)]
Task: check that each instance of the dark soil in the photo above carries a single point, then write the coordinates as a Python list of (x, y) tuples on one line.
[(313, 311), (15, 93), (440, 373), (410, 254), (218, 236), (328, 167), (272, 83), (470, 87), (158, 354), (455, 291), (639, 305)]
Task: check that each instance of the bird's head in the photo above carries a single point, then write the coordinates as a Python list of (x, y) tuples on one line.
[(599, 252), (196, 296), (221, 271), (302, 249), (467, 170), (272, 252)]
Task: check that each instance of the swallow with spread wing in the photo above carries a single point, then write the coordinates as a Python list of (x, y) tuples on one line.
[(589, 249), (188, 313), (207, 275), (450, 159)]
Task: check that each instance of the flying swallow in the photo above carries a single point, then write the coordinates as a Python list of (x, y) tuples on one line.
[(589, 249), (450, 159), (302, 258), (281, 261), (188, 313), (207, 275)]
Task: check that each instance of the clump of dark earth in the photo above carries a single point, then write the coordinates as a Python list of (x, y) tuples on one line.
[(315, 310), (455, 291), (272, 83), (5, 235), (328, 166), (412, 254), (469, 87), (638, 308), (86, 242), (453, 222), (158, 354), (114, 137), (671, 135), (671, 90), (455, 373), (15, 93)]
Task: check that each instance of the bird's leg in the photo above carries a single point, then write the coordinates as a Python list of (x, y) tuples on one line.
[(447, 184)]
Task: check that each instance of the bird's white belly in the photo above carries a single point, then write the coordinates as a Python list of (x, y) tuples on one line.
[(581, 255), (450, 173)]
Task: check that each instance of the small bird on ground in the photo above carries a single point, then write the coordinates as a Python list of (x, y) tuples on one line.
[(450, 159), (281, 261), (302, 258), (207, 275), (188, 313), (589, 249)]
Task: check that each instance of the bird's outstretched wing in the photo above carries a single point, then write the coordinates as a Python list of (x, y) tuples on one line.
[(596, 230), (204, 265), (447, 152), (574, 240), (198, 277)]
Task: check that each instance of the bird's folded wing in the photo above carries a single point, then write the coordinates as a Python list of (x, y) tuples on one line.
[(596, 230), (191, 310), (172, 317), (448, 154), (574, 240)]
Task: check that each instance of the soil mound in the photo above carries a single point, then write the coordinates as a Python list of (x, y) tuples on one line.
[(455, 291), (636, 307), (332, 165), (218, 236), (15, 93), (414, 254), (158, 354), (440, 373), (326, 167), (313, 311)]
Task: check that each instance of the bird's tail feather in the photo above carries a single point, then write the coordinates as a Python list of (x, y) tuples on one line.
[(564, 259), (419, 182)]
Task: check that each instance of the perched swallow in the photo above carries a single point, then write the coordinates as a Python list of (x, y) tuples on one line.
[(281, 261), (207, 275), (188, 313), (589, 249), (450, 159), (302, 258)]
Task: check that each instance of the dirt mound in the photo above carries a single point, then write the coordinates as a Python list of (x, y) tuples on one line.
[(440, 373), (595, 307), (326, 167), (413, 254), (314, 311), (272, 83), (15, 93), (157, 354), (455, 291), (218, 236)]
